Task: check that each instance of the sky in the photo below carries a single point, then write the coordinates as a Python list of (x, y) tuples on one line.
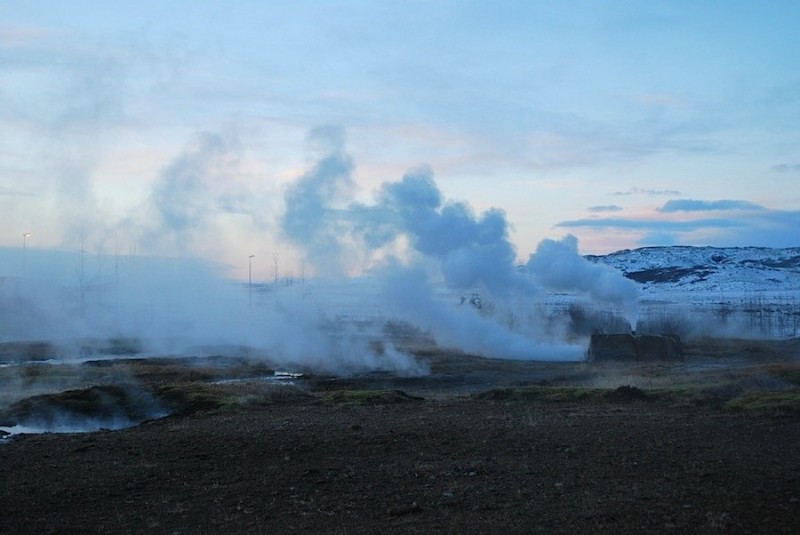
[(184, 127)]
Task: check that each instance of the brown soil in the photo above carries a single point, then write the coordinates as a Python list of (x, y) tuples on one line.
[(477, 447)]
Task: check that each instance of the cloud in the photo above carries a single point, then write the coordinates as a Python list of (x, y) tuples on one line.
[(312, 216), (766, 228), (787, 168), (649, 224), (61, 104), (661, 100), (643, 191), (194, 197), (19, 35), (660, 239), (14, 193), (558, 266), (435, 247), (321, 218), (184, 191), (691, 205), (605, 208), (471, 248)]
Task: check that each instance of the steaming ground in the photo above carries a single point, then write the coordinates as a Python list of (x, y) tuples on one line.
[(406, 258), (327, 326), (180, 306), (477, 445), (113, 392), (409, 256), (405, 297), (394, 322), (407, 267)]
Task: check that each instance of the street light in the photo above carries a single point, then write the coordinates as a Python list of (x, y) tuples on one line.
[(25, 237)]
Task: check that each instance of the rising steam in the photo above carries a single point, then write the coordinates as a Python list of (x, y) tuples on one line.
[(436, 242), (409, 255)]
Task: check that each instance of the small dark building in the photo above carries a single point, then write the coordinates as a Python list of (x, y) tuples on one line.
[(635, 348)]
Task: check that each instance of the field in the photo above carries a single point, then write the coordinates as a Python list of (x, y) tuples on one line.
[(478, 445)]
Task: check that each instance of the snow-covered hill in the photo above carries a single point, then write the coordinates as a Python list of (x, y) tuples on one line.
[(708, 269), (736, 291)]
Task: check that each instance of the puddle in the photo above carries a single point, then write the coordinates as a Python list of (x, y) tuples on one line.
[(278, 378), (7, 433), (74, 427)]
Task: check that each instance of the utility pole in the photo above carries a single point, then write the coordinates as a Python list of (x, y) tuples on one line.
[(25, 237), (83, 294)]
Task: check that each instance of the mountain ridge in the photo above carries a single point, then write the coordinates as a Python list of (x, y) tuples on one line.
[(708, 269)]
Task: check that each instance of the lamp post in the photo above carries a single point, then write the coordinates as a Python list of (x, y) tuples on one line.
[(25, 237), (250, 279)]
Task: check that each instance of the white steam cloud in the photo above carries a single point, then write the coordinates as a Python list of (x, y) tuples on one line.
[(424, 241), (558, 266), (410, 256)]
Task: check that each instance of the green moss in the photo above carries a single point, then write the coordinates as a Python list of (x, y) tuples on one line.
[(787, 402), (565, 394), (791, 375), (97, 401), (190, 398), (368, 397), (542, 393)]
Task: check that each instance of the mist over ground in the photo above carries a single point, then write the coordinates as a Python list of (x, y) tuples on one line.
[(409, 255)]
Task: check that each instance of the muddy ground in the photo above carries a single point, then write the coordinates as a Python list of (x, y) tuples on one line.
[(478, 446)]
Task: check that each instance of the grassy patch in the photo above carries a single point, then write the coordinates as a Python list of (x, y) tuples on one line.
[(97, 402), (117, 345), (542, 393), (163, 370), (788, 372), (190, 398), (368, 397), (785, 402), (565, 394), (754, 350)]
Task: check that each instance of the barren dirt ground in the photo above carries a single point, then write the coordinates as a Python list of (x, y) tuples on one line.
[(707, 445)]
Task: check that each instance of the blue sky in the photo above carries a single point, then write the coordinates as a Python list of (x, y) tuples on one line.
[(624, 123)]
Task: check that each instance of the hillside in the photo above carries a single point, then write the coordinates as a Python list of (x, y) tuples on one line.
[(708, 269)]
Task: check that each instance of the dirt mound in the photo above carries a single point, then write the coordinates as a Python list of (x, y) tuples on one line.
[(626, 394), (114, 405)]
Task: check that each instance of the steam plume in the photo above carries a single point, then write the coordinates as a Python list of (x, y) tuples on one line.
[(557, 265), (410, 254), (433, 239)]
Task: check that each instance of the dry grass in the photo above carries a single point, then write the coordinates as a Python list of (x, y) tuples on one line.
[(368, 397), (190, 398), (724, 374), (773, 403)]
